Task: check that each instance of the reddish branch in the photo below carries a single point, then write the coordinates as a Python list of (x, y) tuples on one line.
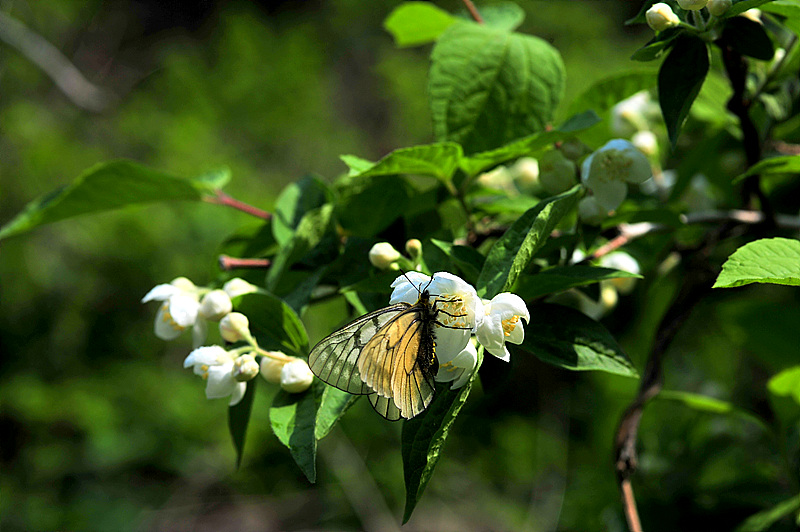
[(227, 263), (473, 11), (221, 198)]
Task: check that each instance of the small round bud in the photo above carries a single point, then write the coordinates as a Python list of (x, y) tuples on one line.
[(590, 211), (215, 305), (245, 368), (661, 17), (271, 367), (184, 284), (498, 178), (646, 142), (296, 376), (718, 7), (414, 248), (383, 255), (556, 172), (234, 327), (526, 172), (753, 14), (692, 5), (237, 287)]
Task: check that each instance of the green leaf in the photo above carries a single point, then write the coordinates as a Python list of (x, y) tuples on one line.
[(565, 277), (506, 16), (657, 45), (293, 419), (740, 6), (314, 226), (416, 23), (108, 186), (789, 9), (274, 323), (786, 384), (641, 16), (423, 437), (786, 164), (215, 179), (239, 418), (711, 405), (679, 81), (606, 93), (512, 253), (332, 407), (529, 145), (294, 202), (439, 160), (488, 87), (571, 340), (748, 38), (765, 519), (368, 205), (468, 260), (769, 260)]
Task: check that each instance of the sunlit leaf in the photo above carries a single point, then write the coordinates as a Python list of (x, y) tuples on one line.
[(416, 23), (293, 419), (769, 260), (275, 325), (439, 160), (764, 520)]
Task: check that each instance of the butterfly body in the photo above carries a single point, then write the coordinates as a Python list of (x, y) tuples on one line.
[(388, 354)]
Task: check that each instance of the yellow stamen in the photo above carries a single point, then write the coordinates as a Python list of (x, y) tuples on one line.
[(510, 324)]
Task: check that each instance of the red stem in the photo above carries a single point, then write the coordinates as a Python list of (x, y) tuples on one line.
[(221, 198), (227, 263), (473, 11)]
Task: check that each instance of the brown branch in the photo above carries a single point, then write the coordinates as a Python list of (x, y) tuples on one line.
[(227, 263), (473, 11), (629, 504), (221, 198)]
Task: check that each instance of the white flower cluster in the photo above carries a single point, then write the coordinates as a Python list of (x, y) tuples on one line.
[(226, 371), (461, 313)]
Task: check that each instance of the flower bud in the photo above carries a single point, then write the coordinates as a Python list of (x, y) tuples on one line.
[(590, 211), (646, 142), (183, 284), (526, 172), (660, 17), (692, 5), (245, 368), (753, 14), (237, 287), (296, 376), (556, 172), (498, 178), (718, 7), (383, 255), (414, 248), (271, 367), (235, 327), (215, 305)]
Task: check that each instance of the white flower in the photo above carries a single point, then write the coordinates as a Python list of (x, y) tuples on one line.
[(271, 366), (607, 170), (619, 260), (179, 309), (501, 323), (692, 5), (296, 376), (235, 327), (459, 368), (590, 212), (238, 287), (383, 255), (216, 366), (215, 305), (660, 17), (718, 7), (456, 301), (556, 172), (633, 114), (525, 172)]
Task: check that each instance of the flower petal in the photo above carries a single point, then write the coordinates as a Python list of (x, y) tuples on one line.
[(160, 293), (238, 393), (220, 381)]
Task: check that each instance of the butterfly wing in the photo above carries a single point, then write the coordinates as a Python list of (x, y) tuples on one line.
[(384, 406), (335, 358), (398, 361)]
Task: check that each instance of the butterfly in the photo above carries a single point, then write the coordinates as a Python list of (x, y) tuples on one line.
[(388, 355)]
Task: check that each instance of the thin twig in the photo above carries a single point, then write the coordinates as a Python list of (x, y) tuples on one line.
[(473, 11), (227, 263), (221, 198), (629, 504), (64, 74)]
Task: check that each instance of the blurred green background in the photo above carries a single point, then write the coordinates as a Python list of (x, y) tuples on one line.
[(101, 427)]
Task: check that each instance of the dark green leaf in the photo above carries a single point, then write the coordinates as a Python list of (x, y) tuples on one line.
[(769, 260), (439, 160), (748, 38), (415, 23), (640, 17), (786, 164), (424, 436), (740, 6), (512, 253), (679, 81), (765, 519), (332, 407), (293, 419), (606, 93), (711, 405), (300, 295), (657, 45), (294, 202), (274, 323), (565, 277), (529, 145), (488, 87), (239, 418), (368, 205), (108, 186), (466, 259), (571, 340)]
